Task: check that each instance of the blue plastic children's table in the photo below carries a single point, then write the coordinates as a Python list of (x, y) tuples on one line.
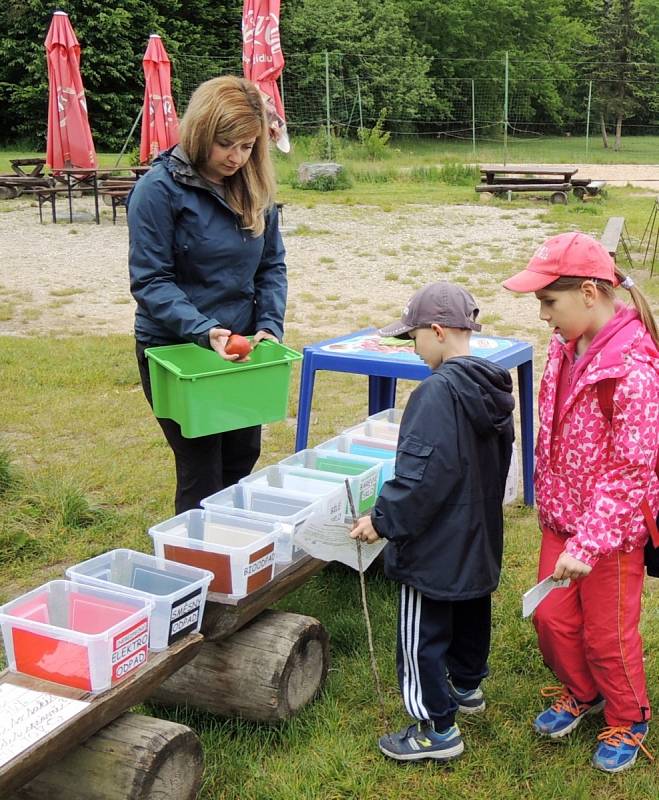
[(366, 353)]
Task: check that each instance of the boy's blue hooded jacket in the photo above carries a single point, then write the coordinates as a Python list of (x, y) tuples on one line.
[(442, 512), (192, 266)]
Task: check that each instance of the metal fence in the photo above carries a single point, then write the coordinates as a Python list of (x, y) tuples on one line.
[(499, 103)]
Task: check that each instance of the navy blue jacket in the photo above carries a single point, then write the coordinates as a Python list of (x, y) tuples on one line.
[(442, 512), (192, 266)]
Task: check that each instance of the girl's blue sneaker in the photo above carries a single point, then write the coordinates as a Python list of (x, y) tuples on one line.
[(420, 741), (619, 746), (564, 714)]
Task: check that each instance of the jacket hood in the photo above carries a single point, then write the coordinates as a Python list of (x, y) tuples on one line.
[(484, 391)]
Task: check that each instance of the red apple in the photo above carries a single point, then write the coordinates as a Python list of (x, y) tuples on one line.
[(238, 345)]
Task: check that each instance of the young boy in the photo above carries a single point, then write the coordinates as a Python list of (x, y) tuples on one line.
[(442, 514)]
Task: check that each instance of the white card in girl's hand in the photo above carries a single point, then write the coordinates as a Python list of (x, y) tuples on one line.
[(532, 599)]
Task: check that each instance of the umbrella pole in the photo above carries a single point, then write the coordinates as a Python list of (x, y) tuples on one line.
[(130, 136)]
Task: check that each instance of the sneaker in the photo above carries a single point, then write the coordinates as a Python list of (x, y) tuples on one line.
[(421, 741), (470, 701), (619, 746), (564, 714)]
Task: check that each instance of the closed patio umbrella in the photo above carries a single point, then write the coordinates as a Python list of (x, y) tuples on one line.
[(159, 120), (70, 141), (263, 61)]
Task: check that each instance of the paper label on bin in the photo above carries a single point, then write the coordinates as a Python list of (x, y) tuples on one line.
[(129, 649), (331, 542), (367, 492), (184, 616), (28, 716)]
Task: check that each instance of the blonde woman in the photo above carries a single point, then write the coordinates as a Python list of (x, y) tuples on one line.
[(206, 259)]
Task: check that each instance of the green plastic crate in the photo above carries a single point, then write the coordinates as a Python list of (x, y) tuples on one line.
[(205, 394)]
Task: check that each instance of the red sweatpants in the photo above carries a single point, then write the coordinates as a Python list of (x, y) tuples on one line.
[(588, 633)]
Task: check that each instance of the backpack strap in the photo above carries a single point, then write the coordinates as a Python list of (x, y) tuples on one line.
[(605, 391)]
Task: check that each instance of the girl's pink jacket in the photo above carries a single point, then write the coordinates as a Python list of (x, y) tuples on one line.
[(591, 475)]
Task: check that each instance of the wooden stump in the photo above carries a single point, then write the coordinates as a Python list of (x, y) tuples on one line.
[(133, 758), (266, 671)]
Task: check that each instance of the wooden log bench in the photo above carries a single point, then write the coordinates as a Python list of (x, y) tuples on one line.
[(558, 191), (100, 711), (582, 187)]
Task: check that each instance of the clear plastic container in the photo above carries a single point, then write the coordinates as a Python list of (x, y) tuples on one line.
[(390, 415), (178, 591), (298, 481), (362, 473), (375, 429), (239, 552), (380, 449), (291, 510), (81, 636)]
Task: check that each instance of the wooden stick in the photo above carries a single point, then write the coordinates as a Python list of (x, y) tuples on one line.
[(367, 617)]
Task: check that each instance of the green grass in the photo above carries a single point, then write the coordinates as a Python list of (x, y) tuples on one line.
[(83, 468)]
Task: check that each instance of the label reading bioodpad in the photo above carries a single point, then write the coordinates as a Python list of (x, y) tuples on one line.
[(184, 616)]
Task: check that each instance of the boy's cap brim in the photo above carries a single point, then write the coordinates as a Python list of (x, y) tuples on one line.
[(529, 280), (397, 329)]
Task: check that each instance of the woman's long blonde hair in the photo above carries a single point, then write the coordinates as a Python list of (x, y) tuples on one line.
[(231, 109), (606, 287)]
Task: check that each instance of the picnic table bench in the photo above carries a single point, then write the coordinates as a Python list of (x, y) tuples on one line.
[(615, 234), (502, 180), (18, 165)]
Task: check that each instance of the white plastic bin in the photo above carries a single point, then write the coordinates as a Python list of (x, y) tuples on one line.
[(81, 636), (239, 552), (178, 591), (299, 481), (290, 510), (362, 473), (375, 429), (380, 449)]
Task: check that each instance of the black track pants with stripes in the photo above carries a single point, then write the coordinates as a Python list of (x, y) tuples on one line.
[(439, 640)]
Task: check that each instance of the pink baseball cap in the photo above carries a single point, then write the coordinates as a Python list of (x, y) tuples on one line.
[(573, 255)]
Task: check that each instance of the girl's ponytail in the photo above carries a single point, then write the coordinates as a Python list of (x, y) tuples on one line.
[(642, 305)]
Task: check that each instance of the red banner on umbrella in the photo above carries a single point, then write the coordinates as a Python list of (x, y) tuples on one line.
[(70, 141), (263, 61), (159, 120)]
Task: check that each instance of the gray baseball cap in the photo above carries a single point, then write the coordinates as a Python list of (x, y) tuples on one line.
[(444, 303)]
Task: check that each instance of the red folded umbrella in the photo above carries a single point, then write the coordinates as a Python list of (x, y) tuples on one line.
[(159, 120), (263, 61), (70, 141)]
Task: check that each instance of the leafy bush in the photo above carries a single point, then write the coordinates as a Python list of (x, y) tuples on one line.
[(375, 140), (324, 183)]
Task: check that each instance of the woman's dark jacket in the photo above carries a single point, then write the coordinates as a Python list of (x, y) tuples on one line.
[(192, 266), (442, 512)]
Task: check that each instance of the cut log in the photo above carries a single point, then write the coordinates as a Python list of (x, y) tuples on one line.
[(133, 758), (309, 172), (267, 671)]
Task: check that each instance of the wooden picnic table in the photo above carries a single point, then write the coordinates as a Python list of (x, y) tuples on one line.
[(512, 174), (77, 178), (19, 164)]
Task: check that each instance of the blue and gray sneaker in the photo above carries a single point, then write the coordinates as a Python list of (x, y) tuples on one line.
[(421, 741), (564, 714), (619, 746), (470, 701)]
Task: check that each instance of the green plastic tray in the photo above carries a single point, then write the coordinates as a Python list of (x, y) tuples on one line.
[(206, 395)]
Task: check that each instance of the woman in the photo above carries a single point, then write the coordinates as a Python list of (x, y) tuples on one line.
[(206, 259)]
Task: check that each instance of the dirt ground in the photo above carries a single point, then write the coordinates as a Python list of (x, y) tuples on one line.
[(349, 266)]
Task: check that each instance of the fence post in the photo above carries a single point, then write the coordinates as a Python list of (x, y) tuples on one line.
[(281, 89), (359, 103), (505, 113), (327, 107), (590, 94), (473, 118)]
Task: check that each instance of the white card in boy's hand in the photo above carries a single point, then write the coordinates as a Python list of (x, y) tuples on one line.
[(532, 599)]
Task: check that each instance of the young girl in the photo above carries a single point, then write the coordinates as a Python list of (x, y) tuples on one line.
[(595, 472)]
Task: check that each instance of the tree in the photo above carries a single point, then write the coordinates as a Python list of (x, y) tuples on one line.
[(622, 77)]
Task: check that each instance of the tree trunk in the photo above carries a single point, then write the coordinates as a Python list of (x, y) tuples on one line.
[(266, 671), (605, 136), (133, 758), (618, 142)]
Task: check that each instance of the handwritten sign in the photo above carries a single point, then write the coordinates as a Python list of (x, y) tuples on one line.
[(331, 542), (28, 716)]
